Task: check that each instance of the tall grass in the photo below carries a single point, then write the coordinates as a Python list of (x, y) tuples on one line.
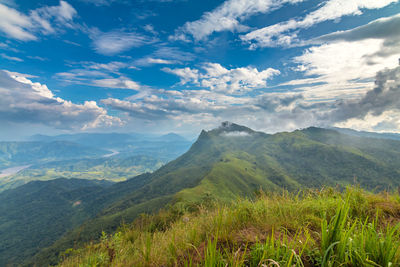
[(312, 228)]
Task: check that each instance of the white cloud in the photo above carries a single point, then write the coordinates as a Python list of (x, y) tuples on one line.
[(99, 2), (105, 75), (217, 78), (235, 134), (15, 24), (121, 82), (11, 58), (285, 33), (45, 20), (38, 58), (115, 42), (147, 61), (227, 17), (376, 108), (173, 53), (345, 63), (24, 101)]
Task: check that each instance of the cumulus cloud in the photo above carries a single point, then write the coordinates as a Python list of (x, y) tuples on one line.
[(45, 20), (217, 78), (25, 101), (387, 29), (227, 17), (384, 97), (285, 33), (344, 64), (375, 109)]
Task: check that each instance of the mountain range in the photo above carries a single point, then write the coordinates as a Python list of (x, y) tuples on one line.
[(223, 164)]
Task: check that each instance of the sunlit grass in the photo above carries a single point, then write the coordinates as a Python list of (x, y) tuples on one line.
[(310, 228)]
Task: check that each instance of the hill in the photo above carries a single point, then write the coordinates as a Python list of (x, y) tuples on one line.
[(309, 228), (34, 215), (234, 161)]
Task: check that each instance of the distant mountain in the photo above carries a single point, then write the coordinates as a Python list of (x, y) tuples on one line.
[(24, 153), (165, 147), (172, 137), (35, 215), (233, 161), (102, 140), (393, 136), (110, 140)]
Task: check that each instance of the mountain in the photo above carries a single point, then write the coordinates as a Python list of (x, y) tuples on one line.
[(165, 147), (102, 140), (172, 137), (24, 153), (36, 214), (234, 161), (393, 136)]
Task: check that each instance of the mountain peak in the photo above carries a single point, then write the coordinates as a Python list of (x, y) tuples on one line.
[(228, 126)]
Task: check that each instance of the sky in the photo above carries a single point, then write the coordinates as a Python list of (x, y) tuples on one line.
[(184, 65)]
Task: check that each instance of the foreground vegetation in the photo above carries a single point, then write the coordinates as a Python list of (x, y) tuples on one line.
[(311, 228)]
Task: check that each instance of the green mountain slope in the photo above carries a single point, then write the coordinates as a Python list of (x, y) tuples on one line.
[(34, 215), (233, 161)]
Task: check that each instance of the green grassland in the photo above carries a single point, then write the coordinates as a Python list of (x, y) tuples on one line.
[(324, 227)]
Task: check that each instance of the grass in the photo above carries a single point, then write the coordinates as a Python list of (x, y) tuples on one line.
[(310, 228)]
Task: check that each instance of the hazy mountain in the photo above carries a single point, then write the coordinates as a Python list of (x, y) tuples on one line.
[(118, 141), (392, 136), (233, 161), (103, 140)]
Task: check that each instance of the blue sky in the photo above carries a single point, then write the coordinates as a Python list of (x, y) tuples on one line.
[(185, 65)]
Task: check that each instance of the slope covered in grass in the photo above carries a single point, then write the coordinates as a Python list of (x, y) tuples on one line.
[(310, 228)]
